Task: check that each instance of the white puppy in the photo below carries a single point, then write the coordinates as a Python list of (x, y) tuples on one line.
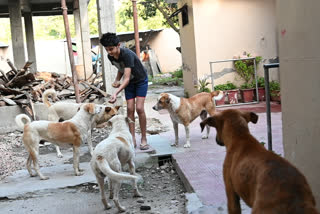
[(71, 132), (110, 156)]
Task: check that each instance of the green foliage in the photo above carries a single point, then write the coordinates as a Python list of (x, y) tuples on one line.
[(245, 68), (274, 86), (149, 17), (167, 81), (177, 73), (246, 86), (260, 82), (202, 87), (224, 87)]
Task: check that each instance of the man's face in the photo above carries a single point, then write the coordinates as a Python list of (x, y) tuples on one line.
[(113, 50)]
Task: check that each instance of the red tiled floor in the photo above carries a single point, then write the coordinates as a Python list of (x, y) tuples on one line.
[(202, 163)]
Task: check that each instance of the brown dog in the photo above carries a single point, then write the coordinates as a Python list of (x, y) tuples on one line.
[(185, 110), (265, 181)]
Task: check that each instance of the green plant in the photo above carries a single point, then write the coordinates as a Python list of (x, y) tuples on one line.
[(177, 73), (224, 87), (245, 68), (203, 85), (260, 82), (274, 86), (246, 86)]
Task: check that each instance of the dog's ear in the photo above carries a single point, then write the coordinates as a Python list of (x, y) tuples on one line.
[(90, 108), (107, 109), (117, 107), (254, 117), (167, 100), (210, 121), (251, 117)]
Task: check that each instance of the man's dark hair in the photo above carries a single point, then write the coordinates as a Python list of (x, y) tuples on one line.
[(109, 39)]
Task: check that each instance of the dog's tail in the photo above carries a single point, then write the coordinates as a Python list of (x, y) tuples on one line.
[(218, 95), (49, 92), (22, 120), (105, 169)]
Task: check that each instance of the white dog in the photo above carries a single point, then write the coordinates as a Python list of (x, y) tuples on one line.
[(110, 156), (71, 132), (61, 111)]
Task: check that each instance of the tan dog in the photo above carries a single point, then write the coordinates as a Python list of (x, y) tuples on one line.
[(72, 132), (185, 110), (62, 111), (110, 156), (266, 182)]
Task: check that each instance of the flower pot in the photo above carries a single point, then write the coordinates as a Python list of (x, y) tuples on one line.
[(222, 100), (247, 95), (233, 96), (275, 96), (262, 94)]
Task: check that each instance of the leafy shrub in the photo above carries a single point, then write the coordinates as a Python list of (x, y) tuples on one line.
[(224, 87), (245, 68), (178, 73), (274, 86), (203, 85)]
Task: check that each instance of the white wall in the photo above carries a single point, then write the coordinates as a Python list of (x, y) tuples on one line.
[(164, 45)]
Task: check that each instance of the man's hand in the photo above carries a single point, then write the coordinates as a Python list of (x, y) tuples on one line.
[(116, 84), (113, 98)]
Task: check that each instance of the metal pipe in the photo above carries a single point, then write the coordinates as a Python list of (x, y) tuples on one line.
[(267, 94), (136, 29), (73, 68), (228, 60)]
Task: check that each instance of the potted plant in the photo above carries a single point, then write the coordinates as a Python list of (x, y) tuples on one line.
[(245, 69), (229, 90), (261, 90), (247, 92), (275, 91), (232, 93), (203, 85)]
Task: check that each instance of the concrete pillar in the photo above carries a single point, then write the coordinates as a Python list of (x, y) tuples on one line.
[(106, 21), (30, 41), (79, 60), (16, 33), (299, 45), (83, 39)]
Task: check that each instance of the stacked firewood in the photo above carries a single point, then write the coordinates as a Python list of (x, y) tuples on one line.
[(24, 88)]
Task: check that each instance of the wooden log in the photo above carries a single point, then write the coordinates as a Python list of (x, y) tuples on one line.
[(95, 88), (12, 66), (20, 81), (4, 76)]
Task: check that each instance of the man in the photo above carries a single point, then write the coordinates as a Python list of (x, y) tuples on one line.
[(135, 82)]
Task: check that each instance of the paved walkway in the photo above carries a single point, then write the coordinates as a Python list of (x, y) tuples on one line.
[(200, 167)]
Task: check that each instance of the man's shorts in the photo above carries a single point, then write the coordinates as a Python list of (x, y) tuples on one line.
[(134, 90)]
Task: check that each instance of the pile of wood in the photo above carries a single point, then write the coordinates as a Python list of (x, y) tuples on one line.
[(23, 88)]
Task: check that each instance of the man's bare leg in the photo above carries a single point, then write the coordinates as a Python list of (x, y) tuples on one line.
[(142, 120), (130, 114)]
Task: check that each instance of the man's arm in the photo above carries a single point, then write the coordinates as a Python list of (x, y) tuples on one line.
[(125, 82), (116, 82)]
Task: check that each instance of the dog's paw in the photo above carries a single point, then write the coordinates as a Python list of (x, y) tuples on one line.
[(137, 193), (44, 177), (60, 155), (174, 144), (79, 173), (81, 170), (204, 136), (121, 209), (187, 145), (106, 204)]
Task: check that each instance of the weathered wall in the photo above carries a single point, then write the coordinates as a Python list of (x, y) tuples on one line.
[(222, 29), (164, 45), (299, 45)]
